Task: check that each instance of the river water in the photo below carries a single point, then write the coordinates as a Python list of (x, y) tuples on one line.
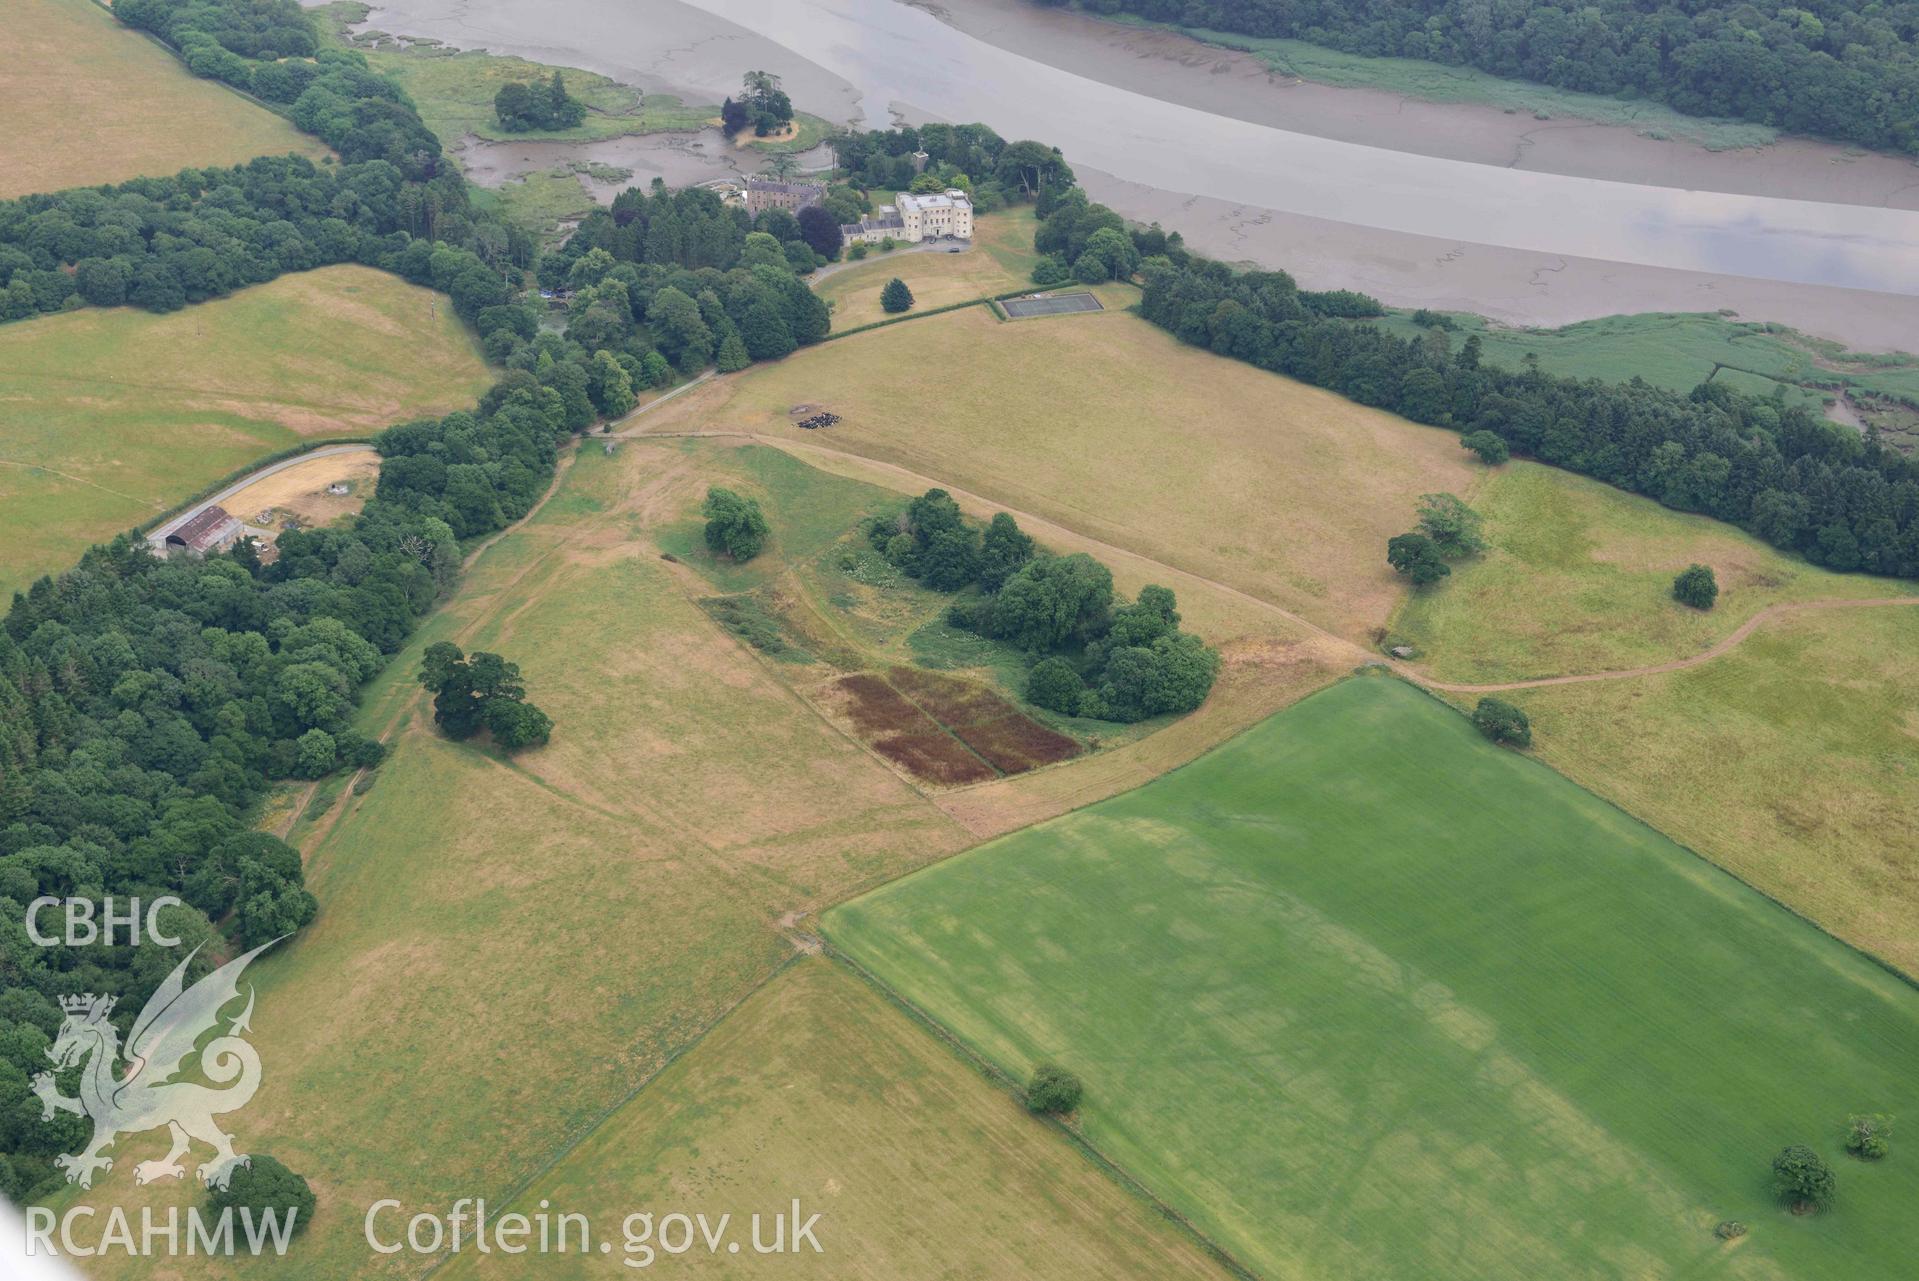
[(1355, 211)]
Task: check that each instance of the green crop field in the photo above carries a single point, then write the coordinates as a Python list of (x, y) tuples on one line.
[(1578, 578), (87, 101), (110, 417), (1001, 259), (820, 1089), (1365, 996)]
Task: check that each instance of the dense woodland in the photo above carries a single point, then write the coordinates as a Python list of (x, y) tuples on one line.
[(145, 705), (1846, 69)]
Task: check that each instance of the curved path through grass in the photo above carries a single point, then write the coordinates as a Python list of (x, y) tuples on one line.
[(1407, 670)]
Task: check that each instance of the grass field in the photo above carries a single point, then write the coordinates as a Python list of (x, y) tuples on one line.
[(1681, 350), (110, 417), (1108, 426), (1793, 761), (1579, 579), (1366, 996), (88, 101), (1001, 259), (1437, 82), (533, 938), (818, 1088)]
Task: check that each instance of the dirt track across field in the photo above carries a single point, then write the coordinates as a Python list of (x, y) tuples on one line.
[(1361, 653)]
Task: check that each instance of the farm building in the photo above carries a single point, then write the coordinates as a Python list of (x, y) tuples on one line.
[(766, 193), (211, 530)]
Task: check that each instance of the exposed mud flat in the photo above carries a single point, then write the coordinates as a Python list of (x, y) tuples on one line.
[(1450, 205), (1514, 286), (1164, 64), (680, 159)]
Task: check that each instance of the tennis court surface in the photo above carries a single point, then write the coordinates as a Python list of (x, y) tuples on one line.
[(1050, 305)]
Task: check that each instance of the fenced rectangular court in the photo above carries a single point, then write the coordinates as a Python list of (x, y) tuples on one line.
[(1050, 305)]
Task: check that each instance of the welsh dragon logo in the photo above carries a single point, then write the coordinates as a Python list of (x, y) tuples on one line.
[(146, 1096)]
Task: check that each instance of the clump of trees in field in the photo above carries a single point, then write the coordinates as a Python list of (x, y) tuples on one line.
[(1696, 586), (522, 108), (762, 105), (1840, 69), (896, 297), (1842, 500), (1803, 1179), (483, 691), (735, 526), (1096, 655), (1869, 1135), (1448, 529), (1053, 1091), (265, 1185), (1503, 723)]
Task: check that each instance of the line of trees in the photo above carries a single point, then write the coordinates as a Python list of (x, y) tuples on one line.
[(1801, 483), (1846, 69)]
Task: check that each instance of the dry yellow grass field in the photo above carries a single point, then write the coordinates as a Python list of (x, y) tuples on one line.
[(87, 101), (1001, 259), (300, 492), (1578, 578), (110, 417), (820, 1089), (1110, 428), (1792, 761)]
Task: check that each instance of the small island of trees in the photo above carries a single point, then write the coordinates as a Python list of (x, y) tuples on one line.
[(523, 108)]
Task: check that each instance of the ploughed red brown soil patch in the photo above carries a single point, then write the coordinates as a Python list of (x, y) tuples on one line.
[(946, 731), (1010, 740)]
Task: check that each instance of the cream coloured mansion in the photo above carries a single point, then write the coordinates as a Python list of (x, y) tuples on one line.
[(915, 218)]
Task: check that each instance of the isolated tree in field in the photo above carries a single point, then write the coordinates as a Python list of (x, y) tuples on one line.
[(1453, 526), (896, 297), (1803, 1179), (1417, 557), (1053, 1091), (1869, 1136), (481, 691), (734, 524), (782, 164), (1054, 685), (1489, 445), (1696, 587), (1502, 722), (264, 1185)]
